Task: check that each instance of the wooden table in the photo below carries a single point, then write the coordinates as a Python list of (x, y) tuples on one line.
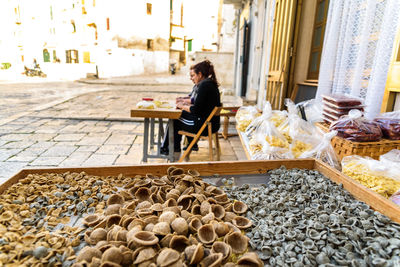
[(149, 116)]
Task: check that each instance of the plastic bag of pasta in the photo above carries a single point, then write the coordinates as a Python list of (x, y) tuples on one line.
[(324, 151), (244, 116), (294, 125), (268, 116), (356, 128), (390, 124), (373, 174), (267, 147), (145, 104)]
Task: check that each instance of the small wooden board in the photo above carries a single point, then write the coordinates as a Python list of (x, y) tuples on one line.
[(360, 192)]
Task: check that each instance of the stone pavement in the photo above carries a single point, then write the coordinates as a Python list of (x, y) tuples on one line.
[(94, 129)]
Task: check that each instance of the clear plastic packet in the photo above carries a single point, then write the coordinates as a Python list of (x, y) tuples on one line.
[(356, 128), (268, 120), (391, 158), (334, 112), (263, 133), (341, 109), (324, 151), (395, 198), (295, 126), (302, 143), (164, 104), (373, 174), (342, 100), (311, 110), (268, 147), (244, 116), (145, 104), (390, 124)]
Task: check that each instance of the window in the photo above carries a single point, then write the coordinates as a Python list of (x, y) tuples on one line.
[(149, 6), (150, 44), (54, 56), (71, 56), (46, 55), (86, 57), (317, 39)]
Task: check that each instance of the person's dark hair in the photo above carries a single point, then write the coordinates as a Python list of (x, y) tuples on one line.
[(206, 68)]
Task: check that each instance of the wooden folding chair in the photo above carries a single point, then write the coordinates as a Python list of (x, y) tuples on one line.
[(216, 112)]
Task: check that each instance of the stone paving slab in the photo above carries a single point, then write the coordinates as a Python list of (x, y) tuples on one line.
[(92, 129)]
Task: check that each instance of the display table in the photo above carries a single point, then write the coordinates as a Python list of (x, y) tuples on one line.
[(150, 115)]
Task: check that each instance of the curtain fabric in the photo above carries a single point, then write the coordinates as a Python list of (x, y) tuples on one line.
[(358, 44)]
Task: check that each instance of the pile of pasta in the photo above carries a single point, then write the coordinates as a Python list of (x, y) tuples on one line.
[(377, 175), (153, 104), (244, 116), (279, 134)]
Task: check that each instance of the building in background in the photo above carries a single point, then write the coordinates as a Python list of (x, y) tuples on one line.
[(71, 38)]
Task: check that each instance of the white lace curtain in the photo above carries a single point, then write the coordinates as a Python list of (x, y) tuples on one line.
[(358, 44)]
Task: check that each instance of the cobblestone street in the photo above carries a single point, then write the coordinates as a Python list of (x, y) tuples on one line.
[(85, 123)]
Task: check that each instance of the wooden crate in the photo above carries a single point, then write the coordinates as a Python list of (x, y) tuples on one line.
[(360, 192), (344, 147)]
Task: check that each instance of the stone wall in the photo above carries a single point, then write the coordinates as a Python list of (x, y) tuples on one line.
[(223, 64)]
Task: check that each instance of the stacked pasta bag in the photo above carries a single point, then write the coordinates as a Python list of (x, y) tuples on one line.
[(390, 124), (285, 135), (244, 116), (337, 105), (378, 175), (355, 127)]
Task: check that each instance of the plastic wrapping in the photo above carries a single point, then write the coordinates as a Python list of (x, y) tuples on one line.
[(294, 125), (342, 100), (244, 116), (356, 128), (268, 117), (145, 104), (391, 158), (312, 110), (374, 174), (324, 151), (390, 124), (396, 198), (265, 138), (342, 109), (334, 112)]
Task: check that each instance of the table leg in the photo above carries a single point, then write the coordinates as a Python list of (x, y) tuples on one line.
[(145, 139), (225, 128), (151, 133), (160, 135), (171, 140)]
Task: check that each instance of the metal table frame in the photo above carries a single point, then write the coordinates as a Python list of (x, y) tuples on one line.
[(150, 116)]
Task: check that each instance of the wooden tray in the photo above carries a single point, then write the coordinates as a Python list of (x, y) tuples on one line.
[(344, 147), (360, 192)]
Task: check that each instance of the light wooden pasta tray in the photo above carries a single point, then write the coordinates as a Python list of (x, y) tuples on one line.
[(360, 192)]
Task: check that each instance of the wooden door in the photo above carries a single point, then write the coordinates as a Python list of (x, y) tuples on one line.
[(393, 79), (245, 58), (281, 52)]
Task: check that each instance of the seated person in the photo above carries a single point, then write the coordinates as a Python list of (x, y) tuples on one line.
[(189, 100), (195, 114)]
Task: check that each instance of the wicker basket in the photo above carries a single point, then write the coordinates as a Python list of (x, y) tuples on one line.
[(344, 147)]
